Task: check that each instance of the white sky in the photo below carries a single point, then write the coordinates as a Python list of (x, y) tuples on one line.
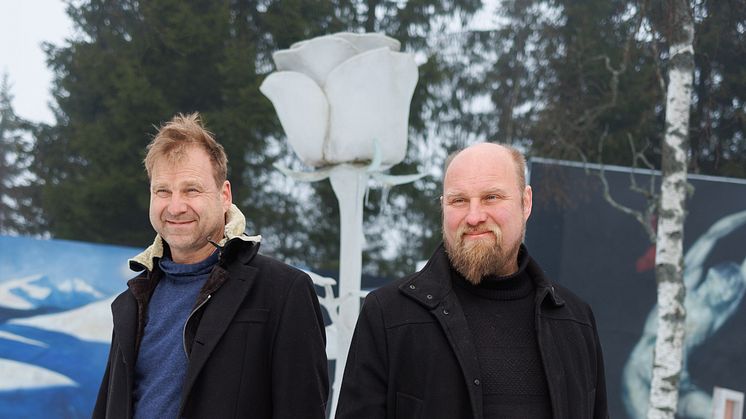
[(24, 25)]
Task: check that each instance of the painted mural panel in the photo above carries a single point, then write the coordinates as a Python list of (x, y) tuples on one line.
[(55, 324), (605, 256)]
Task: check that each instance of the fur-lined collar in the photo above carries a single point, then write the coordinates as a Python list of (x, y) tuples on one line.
[(234, 229)]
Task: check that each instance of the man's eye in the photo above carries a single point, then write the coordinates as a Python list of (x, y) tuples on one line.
[(492, 197), (162, 193), (457, 201)]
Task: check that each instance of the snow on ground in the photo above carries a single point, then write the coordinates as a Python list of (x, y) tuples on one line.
[(92, 322), (21, 376)]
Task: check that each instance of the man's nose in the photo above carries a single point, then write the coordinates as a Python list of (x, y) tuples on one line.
[(476, 214), (177, 204)]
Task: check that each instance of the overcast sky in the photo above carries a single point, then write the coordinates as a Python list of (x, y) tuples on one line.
[(24, 25)]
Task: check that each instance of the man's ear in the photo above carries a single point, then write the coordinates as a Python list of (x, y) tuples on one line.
[(226, 195), (527, 202)]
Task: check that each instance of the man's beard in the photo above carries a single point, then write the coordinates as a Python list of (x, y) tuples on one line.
[(477, 258)]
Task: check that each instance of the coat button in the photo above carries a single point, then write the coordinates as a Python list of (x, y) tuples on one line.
[(445, 311), (476, 381), (411, 286), (429, 296)]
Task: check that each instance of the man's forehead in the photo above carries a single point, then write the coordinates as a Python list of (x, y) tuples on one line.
[(483, 183), (185, 180)]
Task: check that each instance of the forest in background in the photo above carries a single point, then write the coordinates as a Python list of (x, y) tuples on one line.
[(576, 80)]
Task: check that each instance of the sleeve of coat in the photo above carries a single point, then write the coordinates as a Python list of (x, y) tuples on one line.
[(364, 386), (600, 408), (300, 378), (99, 410)]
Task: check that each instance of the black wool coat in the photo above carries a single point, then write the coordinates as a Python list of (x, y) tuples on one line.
[(255, 343), (412, 354)]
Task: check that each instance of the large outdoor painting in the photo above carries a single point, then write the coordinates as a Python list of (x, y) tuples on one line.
[(606, 257), (55, 324)]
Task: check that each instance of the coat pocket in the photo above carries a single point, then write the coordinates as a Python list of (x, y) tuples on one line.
[(408, 407), (251, 315)]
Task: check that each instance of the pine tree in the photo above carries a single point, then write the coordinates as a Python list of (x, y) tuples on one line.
[(136, 64), (17, 214)]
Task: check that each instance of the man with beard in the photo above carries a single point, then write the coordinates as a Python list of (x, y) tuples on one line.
[(480, 331)]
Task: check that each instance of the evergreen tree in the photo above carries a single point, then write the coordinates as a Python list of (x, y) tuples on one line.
[(135, 64), (17, 214), (568, 76)]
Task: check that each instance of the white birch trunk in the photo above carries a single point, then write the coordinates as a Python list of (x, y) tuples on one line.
[(667, 358)]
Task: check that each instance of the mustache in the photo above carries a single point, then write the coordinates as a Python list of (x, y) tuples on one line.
[(478, 230)]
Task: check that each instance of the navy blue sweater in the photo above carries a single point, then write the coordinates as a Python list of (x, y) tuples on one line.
[(162, 363)]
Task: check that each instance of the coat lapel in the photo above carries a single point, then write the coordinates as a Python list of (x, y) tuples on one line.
[(432, 288), (218, 314)]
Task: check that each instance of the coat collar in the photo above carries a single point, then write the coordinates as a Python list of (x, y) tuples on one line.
[(432, 287), (433, 283), (235, 227)]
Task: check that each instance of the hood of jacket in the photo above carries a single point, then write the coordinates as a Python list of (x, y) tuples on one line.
[(235, 226)]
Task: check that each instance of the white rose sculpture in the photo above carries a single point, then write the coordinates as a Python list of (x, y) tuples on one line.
[(343, 101), (336, 95)]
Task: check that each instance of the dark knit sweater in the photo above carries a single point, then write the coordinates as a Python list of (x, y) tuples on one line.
[(162, 363), (500, 314)]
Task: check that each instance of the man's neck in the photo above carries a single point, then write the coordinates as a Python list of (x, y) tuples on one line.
[(193, 257)]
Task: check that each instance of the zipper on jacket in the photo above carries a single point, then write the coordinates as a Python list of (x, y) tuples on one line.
[(183, 332)]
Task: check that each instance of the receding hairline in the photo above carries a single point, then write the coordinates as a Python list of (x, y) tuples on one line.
[(180, 134), (518, 160)]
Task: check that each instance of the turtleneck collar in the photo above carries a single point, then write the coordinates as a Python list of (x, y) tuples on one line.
[(188, 271), (508, 287)]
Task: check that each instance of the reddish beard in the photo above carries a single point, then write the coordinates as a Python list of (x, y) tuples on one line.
[(479, 257)]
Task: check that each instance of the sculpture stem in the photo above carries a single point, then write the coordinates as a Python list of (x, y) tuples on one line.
[(349, 184)]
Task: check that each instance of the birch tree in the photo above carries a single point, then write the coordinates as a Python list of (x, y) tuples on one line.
[(669, 266)]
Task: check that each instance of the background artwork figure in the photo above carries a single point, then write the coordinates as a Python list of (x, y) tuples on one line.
[(712, 297)]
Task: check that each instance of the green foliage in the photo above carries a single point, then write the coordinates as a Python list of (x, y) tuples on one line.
[(718, 124), (17, 212), (134, 65), (556, 77), (567, 77)]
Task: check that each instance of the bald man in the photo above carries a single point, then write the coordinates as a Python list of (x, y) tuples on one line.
[(480, 331)]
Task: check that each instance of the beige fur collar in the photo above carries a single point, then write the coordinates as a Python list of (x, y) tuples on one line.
[(234, 229)]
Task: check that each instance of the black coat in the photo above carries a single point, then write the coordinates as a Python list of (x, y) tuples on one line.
[(256, 345), (412, 354)]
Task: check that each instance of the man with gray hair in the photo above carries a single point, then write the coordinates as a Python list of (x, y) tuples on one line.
[(480, 331)]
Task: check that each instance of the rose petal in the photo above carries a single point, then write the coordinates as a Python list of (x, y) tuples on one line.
[(315, 57), (303, 111), (369, 97), (369, 41)]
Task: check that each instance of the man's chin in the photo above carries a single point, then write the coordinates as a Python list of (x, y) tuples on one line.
[(486, 243), (179, 239)]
